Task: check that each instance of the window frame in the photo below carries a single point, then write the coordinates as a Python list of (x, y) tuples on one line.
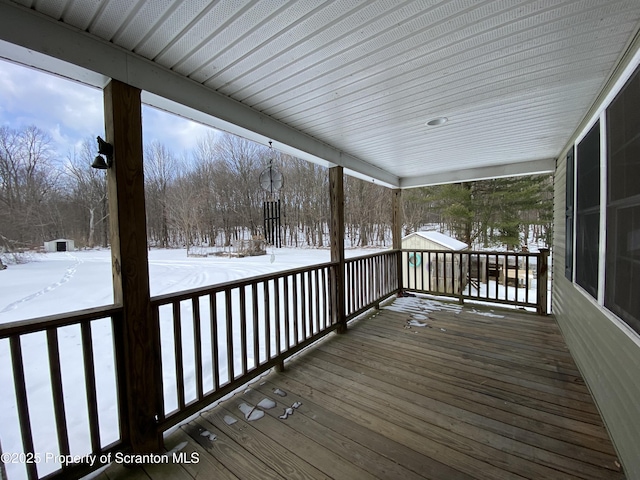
[(587, 210), (623, 198)]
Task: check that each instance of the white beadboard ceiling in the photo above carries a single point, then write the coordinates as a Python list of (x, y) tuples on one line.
[(349, 82)]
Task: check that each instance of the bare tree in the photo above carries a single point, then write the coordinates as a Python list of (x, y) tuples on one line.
[(160, 170), (306, 201), (183, 211), (28, 180), (366, 212)]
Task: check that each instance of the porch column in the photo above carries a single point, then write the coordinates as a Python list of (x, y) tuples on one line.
[(136, 336), (336, 232), (396, 232), (543, 278)]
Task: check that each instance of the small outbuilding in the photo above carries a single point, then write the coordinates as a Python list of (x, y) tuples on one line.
[(430, 263), (59, 245)]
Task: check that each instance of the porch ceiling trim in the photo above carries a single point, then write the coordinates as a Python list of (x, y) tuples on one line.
[(163, 88), (481, 173)]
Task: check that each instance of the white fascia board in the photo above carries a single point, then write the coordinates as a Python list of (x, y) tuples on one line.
[(39, 61), (163, 88), (481, 173)]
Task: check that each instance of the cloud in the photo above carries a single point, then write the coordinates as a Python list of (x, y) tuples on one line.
[(70, 112), (176, 133), (67, 111)]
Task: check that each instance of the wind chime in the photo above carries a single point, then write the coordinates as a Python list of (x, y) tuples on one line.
[(271, 182)]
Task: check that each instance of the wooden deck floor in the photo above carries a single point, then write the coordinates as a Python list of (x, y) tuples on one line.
[(477, 393)]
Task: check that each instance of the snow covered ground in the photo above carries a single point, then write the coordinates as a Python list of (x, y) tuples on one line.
[(67, 281)]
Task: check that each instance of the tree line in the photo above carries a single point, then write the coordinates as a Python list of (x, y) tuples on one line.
[(212, 196)]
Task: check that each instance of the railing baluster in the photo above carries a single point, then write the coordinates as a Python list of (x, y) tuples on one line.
[(506, 276), (444, 272), (213, 321), (310, 302), (459, 281), (256, 329), (497, 284), (325, 310), (517, 277), (228, 310), (377, 291), (364, 288), (426, 271), (486, 264), (21, 399), (177, 338), (356, 274), (303, 306), (56, 388), (353, 275), (243, 328), (90, 385), (277, 319), (467, 278), (317, 298), (287, 310), (350, 283), (415, 270), (358, 285), (296, 332), (267, 319), (197, 345), (370, 279), (363, 284), (526, 279)]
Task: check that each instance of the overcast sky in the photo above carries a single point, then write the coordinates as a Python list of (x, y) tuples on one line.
[(70, 112)]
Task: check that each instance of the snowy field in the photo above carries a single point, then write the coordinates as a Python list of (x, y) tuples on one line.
[(62, 282), (65, 281)]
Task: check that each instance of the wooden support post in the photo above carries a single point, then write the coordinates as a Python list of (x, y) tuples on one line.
[(543, 278), (396, 232), (336, 201), (138, 339)]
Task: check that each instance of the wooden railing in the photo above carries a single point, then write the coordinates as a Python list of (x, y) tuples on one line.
[(215, 339), (212, 341), (497, 277), (224, 335), (369, 280), (87, 337)]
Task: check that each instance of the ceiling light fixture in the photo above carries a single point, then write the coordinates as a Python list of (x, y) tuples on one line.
[(437, 122)]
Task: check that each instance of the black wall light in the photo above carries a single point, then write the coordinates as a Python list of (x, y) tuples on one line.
[(105, 149)]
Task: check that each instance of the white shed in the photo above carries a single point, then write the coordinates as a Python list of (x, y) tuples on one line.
[(430, 264), (59, 245)]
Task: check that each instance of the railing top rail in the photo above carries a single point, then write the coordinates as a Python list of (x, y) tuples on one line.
[(32, 325), (219, 287), (475, 252), (370, 255)]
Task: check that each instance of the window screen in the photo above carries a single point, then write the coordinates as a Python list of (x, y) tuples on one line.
[(622, 278), (588, 211)]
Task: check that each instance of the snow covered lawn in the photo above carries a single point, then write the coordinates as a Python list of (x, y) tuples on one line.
[(62, 282)]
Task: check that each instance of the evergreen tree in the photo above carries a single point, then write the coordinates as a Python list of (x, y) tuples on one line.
[(506, 211)]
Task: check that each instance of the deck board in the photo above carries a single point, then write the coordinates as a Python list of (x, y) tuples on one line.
[(479, 393)]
